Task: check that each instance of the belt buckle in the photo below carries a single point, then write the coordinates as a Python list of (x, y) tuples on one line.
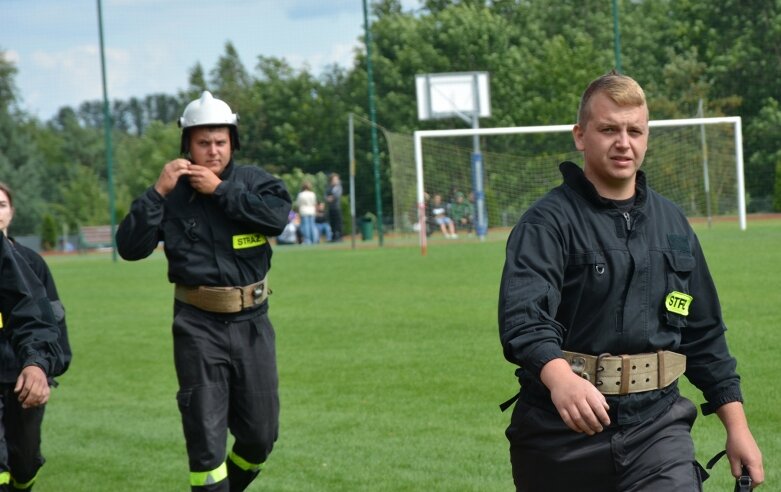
[(600, 368), (578, 366), (257, 292)]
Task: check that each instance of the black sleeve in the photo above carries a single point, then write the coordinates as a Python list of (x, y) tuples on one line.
[(44, 274), (709, 365), (529, 296), (258, 198), (27, 314), (139, 232)]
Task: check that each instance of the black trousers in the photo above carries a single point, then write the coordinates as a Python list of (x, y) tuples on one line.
[(226, 367), (654, 455), (20, 437), (335, 219)]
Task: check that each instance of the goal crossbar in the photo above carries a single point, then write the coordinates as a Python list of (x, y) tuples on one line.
[(419, 135)]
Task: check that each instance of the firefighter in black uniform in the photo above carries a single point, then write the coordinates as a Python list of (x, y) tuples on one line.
[(29, 348), (214, 219), (23, 426), (605, 301)]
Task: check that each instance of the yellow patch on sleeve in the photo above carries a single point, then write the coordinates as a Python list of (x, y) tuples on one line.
[(1, 321), (243, 241), (678, 303)]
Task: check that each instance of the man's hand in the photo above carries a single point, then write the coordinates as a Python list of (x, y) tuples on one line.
[(32, 387), (170, 174), (203, 180), (581, 406), (742, 449)]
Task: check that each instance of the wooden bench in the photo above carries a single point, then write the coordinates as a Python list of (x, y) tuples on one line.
[(95, 237)]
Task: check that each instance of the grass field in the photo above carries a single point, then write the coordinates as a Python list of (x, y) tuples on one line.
[(390, 366)]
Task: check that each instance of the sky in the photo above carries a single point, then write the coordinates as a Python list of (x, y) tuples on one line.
[(151, 45)]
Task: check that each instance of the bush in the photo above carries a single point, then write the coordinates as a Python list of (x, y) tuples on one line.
[(48, 233)]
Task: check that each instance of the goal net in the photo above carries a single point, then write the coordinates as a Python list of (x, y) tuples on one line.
[(697, 163)]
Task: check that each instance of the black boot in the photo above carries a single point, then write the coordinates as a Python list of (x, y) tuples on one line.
[(238, 478)]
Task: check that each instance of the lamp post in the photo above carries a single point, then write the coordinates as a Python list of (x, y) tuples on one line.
[(373, 119), (107, 136)]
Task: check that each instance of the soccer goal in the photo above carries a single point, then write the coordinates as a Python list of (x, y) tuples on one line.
[(697, 163)]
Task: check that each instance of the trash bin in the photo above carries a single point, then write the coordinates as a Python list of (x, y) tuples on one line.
[(367, 228)]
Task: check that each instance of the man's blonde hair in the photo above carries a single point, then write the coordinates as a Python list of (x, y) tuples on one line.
[(622, 89)]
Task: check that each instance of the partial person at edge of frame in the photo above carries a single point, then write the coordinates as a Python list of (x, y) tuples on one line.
[(31, 354)]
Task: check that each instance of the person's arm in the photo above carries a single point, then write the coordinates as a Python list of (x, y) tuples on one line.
[(139, 232), (742, 449), (256, 197), (528, 300), (581, 406), (33, 331), (711, 368), (44, 274)]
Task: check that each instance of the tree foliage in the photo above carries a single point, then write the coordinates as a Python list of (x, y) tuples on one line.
[(540, 55)]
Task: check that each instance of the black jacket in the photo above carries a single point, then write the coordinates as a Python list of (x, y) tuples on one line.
[(28, 332), (216, 240), (41, 270), (581, 276)]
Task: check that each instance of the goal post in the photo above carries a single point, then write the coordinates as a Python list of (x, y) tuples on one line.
[(420, 135)]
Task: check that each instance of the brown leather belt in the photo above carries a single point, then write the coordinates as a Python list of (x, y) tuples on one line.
[(223, 299), (624, 374)]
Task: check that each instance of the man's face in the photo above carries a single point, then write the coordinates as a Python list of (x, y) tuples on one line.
[(210, 148), (613, 142), (6, 211)]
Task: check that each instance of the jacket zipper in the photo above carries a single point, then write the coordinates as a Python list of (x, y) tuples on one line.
[(628, 220)]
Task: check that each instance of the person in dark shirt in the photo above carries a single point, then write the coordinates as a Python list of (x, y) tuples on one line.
[(23, 425), (605, 300), (333, 198), (215, 220)]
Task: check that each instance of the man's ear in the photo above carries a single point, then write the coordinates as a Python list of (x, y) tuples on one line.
[(577, 136)]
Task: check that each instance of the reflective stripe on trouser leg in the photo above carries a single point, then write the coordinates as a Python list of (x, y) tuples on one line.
[(254, 410), (244, 464), (199, 479), (23, 486), (202, 370), (241, 472), (5, 478)]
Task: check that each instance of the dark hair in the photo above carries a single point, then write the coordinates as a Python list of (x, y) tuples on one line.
[(5, 188)]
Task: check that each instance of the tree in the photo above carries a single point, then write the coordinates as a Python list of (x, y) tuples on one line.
[(19, 160), (229, 78)]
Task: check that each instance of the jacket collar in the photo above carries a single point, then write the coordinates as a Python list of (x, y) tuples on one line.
[(227, 171), (575, 179)]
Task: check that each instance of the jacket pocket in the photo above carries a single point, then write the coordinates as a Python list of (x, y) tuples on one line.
[(180, 233), (679, 266), (587, 274)]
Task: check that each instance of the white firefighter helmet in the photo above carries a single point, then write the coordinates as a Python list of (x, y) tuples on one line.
[(208, 111)]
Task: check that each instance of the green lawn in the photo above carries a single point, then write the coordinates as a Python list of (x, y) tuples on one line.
[(391, 370)]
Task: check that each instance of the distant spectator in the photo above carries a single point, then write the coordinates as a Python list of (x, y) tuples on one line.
[(439, 212), (290, 233), (307, 206), (333, 197), (462, 212), (322, 226)]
